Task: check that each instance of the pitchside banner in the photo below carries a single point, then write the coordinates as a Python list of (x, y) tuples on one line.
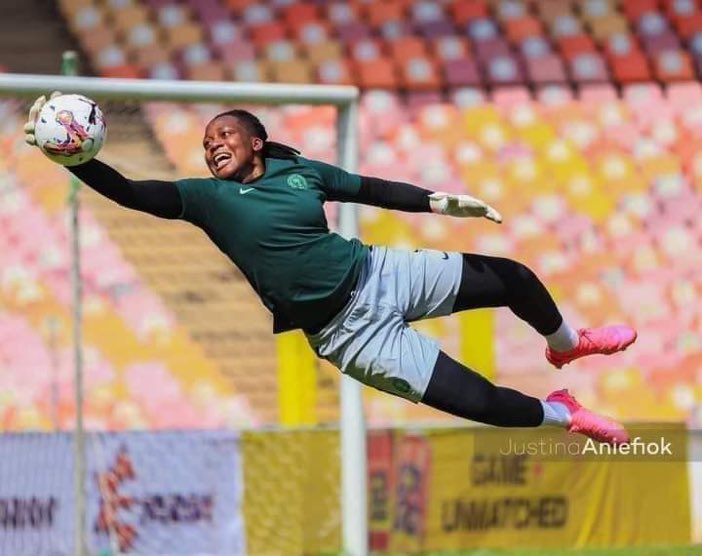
[(36, 495), (147, 493), (466, 488)]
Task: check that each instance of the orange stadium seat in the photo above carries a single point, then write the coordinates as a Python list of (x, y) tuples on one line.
[(419, 73), (323, 51), (97, 38), (673, 65), (313, 32), (367, 50), (206, 71), (141, 35), (519, 29), (250, 71), (406, 48), (379, 73), (334, 72), (149, 56), (603, 27), (184, 34), (69, 7), (291, 71), (450, 48), (125, 19), (576, 45), (379, 13), (551, 9)]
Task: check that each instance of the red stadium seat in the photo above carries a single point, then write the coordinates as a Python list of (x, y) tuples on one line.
[(266, 33), (688, 25), (575, 46), (630, 68), (634, 9), (239, 6), (464, 11), (127, 71), (299, 13)]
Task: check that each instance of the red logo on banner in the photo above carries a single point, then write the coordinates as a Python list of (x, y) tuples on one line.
[(111, 500), (164, 508)]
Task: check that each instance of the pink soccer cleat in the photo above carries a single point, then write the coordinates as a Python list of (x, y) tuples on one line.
[(604, 340), (586, 422)]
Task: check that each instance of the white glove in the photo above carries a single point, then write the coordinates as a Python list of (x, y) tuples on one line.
[(32, 118), (462, 206)]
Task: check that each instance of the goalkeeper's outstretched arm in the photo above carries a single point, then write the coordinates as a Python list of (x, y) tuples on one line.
[(160, 198), (342, 186)]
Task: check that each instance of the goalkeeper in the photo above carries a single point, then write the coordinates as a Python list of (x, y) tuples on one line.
[(263, 208)]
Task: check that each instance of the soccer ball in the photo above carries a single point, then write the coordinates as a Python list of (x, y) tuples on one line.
[(70, 129)]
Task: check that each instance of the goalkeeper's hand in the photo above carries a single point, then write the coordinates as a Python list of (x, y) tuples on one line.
[(462, 206), (32, 118)]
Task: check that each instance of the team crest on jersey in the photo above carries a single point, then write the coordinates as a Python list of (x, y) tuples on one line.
[(296, 181)]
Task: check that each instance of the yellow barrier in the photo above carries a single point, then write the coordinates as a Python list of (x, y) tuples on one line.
[(467, 488)]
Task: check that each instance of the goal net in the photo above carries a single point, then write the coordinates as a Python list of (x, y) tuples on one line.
[(173, 339)]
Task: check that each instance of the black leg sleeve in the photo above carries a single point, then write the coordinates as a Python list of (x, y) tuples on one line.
[(498, 282), (455, 389)]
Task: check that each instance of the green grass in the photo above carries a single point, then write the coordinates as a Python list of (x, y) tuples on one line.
[(653, 551)]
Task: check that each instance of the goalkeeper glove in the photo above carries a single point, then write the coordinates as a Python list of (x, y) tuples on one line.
[(32, 118), (462, 206)]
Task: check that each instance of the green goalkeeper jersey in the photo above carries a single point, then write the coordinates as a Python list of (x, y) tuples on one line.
[(275, 231)]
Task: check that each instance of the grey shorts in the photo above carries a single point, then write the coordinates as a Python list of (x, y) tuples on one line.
[(370, 338)]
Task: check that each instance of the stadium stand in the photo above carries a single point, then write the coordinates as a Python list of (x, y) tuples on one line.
[(502, 42), (575, 120)]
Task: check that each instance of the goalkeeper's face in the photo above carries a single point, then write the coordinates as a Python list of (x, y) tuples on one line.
[(231, 152)]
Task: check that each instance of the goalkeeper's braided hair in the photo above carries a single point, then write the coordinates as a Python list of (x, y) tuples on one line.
[(271, 149)]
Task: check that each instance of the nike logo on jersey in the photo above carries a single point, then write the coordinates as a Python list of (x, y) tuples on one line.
[(246, 190)]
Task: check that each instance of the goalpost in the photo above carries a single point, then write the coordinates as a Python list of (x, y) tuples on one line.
[(345, 99)]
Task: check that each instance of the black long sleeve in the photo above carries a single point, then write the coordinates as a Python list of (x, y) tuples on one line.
[(393, 195), (160, 198)]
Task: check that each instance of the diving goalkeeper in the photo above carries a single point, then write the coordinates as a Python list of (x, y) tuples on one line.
[(263, 208)]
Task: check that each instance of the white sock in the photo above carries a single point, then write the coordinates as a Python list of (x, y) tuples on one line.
[(563, 339), (555, 414)]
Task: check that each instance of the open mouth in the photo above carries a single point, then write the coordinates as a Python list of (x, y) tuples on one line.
[(220, 160)]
